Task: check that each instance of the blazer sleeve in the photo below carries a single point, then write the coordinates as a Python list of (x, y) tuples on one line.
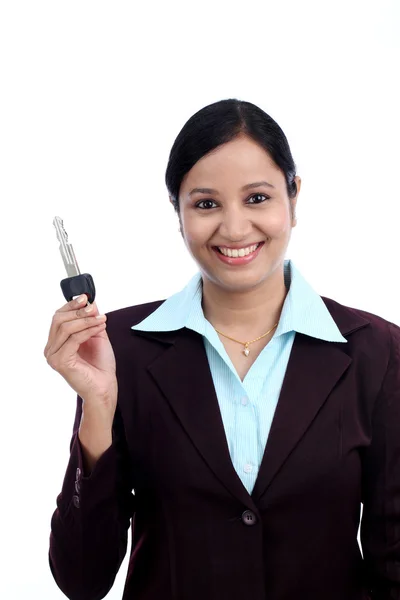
[(380, 524), (88, 539)]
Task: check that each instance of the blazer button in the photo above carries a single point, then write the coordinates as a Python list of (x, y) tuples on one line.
[(75, 500), (77, 487), (78, 473), (249, 518)]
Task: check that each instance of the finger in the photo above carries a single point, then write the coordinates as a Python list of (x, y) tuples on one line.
[(71, 310), (75, 304), (58, 360), (70, 327)]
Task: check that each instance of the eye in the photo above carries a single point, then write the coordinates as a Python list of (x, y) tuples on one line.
[(259, 196), (205, 202)]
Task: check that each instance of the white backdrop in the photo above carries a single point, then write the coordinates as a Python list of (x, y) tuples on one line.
[(92, 97)]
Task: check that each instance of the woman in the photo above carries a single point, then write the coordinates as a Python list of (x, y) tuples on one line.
[(240, 423)]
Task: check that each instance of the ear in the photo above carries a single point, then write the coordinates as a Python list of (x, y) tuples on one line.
[(298, 184), (294, 200)]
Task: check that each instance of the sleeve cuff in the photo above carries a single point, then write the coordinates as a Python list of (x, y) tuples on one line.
[(83, 493)]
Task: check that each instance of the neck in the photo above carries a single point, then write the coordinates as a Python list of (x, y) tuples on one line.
[(248, 313)]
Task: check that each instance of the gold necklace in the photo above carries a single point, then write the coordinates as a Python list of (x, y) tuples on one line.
[(246, 345)]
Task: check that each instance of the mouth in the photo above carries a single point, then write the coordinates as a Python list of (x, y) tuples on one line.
[(238, 256), (238, 252)]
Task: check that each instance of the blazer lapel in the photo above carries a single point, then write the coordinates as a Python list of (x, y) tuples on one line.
[(314, 368), (183, 376)]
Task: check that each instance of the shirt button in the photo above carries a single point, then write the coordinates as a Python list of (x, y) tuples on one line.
[(249, 518), (248, 468), (245, 400)]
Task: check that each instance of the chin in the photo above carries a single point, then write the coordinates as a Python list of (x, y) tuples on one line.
[(236, 281)]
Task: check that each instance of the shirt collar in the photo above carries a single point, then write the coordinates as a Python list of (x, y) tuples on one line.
[(303, 311)]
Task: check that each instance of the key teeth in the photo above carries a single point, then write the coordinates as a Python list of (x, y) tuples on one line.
[(59, 221), (64, 232)]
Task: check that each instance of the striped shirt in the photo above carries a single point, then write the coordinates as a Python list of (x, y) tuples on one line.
[(247, 407)]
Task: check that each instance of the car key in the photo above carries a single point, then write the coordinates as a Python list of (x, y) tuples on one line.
[(76, 283)]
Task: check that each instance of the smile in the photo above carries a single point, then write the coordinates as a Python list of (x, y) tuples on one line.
[(238, 256), (236, 252)]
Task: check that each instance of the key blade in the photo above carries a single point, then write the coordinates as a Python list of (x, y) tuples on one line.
[(66, 249)]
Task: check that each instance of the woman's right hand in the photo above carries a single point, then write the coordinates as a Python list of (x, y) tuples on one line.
[(79, 349)]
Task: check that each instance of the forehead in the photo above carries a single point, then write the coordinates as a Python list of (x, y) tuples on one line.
[(236, 163)]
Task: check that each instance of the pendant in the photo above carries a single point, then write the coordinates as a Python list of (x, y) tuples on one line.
[(246, 351)]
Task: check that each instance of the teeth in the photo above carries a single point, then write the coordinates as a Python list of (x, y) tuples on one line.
[(240, 252)]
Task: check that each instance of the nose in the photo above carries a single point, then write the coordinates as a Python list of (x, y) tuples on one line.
[(235, 225)]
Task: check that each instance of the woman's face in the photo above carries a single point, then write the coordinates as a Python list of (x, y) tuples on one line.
[(231, 216)]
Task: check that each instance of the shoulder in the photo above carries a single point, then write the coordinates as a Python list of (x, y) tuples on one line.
[(124, 340), (124, 318), (367, 330), (336, 308), (119, 322)]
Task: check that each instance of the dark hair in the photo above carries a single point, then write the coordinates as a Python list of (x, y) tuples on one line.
[(218, 124)]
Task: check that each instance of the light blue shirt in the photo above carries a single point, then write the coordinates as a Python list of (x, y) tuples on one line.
[(247, 407)]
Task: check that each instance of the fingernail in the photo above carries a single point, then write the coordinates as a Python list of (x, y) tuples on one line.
[(81, 299), (89, 308)]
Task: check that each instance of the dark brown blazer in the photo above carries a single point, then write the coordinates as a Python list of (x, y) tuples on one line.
[(197, 533)]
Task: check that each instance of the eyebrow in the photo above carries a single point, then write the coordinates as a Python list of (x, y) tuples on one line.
[(244, 188)]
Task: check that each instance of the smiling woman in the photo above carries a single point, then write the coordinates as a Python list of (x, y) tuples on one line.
[(235, 199), (250, 415)]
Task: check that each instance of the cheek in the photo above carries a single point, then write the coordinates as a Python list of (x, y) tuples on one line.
[(197, 232), (278, 223)]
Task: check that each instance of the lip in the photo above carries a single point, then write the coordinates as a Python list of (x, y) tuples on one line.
[(240, 260)]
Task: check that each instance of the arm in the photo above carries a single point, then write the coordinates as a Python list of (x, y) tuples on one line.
[(88, 538), (380, 525)]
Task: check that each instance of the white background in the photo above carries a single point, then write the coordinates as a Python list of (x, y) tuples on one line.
[(92, 97)]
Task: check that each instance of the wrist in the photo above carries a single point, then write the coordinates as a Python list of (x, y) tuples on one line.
[(103, 403), (98, 413)]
